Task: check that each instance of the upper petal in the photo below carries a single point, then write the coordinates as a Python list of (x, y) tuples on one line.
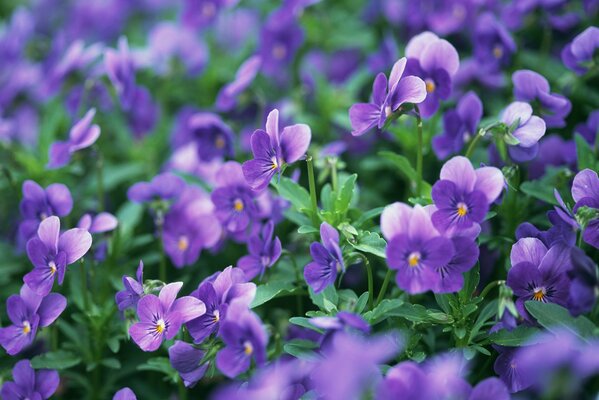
[(75, 243), (295, 140), (585, 184), (490, 182), (48, 232), (530, 133), (459, 170), (530, 250), (395, 219), (168, 294)]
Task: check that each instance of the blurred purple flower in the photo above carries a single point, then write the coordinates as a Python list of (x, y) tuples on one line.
[(165, 186), (81, 136), (264, 251), (578, 54), (590, 128), (213, 138), (460, 124), (185, 359), (227, 96), (493, 44), (583, 282), (280, 38), (526, 128), (553, 151), (327, 260), (29, 383), (133, 292), (100, 223), (585, 192), (125, 394)]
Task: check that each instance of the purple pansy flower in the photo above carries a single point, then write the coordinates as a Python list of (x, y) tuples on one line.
[(280, 38), (185, 359), (560, 231), (217, 292), (406, 380), (234, 200), (198, 14), (133, 292), (387, 97), (29, 383), (100, 223), (553, 151), (273, 148), (527, 128), (414, 247), (125, 394), (328, 260), (28, 312), (344, 321), (436, 61), (585, 192), (590, 128), (120, 69), (160, 317), (81, 136), (493, 44), (51, 252), (39, 203), (532, 87), (463, 195), (578, 54), (583, 282), (227, 96), (165, 186), (244, 337), (212, 137), (539, 273), (460, 124), (264, 252)]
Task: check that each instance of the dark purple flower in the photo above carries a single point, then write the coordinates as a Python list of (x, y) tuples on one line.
[(143, 112), (81, 136), (160, 317), (414, 247), (51, 252), (133, 292), (165, 186), (125, 394), (384, 56), (583, 282), (578, 54), (39, 203), (244, 337), (490, 388), (553, 151), (234, 200), (280, 38), (328, 260), (28, 312), (387, 97), (217, 292), (560, 231), (264, 251), (213, 138), (185, 358), (29, 383), (100, 223), (227, 96), (406, 380), (344, 321), (511, 372), (493, 44), (539, 273), (526, 128), (585, 192), (273, 148), (198, 14), (589, 129), (460, 124), (533, 88), (472, 72), (120, 69), (463, 195), (436, 61)]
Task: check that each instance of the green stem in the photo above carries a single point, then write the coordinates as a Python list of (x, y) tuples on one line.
[(100, 177), (384, 287), (312, 185), (159, 225), (334, 174), (370, 284), (84, 284), (182, 390), (419, 152), (298, 298), (472, 145), (490, 286)]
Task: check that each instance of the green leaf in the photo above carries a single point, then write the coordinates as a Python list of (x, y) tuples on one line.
[(443, 301), (302, 349), (160, 364), (304, 323), (307, 229), (542, 189), (488, 312), (111, 363), (370, 242), (381, 311), (556, 318), (60, 359), (296, 194), (346, 192), (471, 279), (269, 290), (402, 164), (375, 212), (361, 304), (325, 300), (522, 335), (326, 198), (584, 154)]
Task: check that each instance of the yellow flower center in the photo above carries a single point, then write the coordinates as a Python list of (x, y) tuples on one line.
[(219, 142), (498, 51), (52, 266), (248, 349), (183, 243), (275, 163), (279, 51), (26, 327), (430, 86), (160, 326), (216, 316), (238, 205), (539, 294), (462, 209), (414, 259), (43, 216), (388, 111)]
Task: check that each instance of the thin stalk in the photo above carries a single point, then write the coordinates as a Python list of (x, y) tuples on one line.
[(419, 152), (100, 177), (384, 287), (370, 284), (182, 390), (472, 145), (298, 298), (334, 175), (312, 185), (84, 284), (490, 286)]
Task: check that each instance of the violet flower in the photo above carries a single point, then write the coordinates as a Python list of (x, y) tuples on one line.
[(39, 203), (531, 87), (583, 283), (460, 124), (414, 247), (227, 96), (212, 137), (199, 14), (245, 339), (387, 98), (161, 317), (234, 200), (273, 148), (436, 61), (217, 292), (493, 44), (81, 136), (51, 252), (165, 186), (185, 359), (125, 394), (280, 38), (133, 292), (526, 128), (590, 128), (406, 380), (100, 223), (29, 311), (539, 273), (328, 260), (29, 383), (585, 192), (264, 252), (553, 151), (579, 54), (120, 69), (463, 195)]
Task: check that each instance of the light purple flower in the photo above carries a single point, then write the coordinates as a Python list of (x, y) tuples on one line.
[(227, 96), (120, 68), (29, 383), (185, 358), (493, 44), (436, 61), (28, 312), (328, 260), (280, 38), (51, 252), (81, 136), (133, 292), (590, 128), (527, 129), (387, 98), (585, 192), (165, 186), (169, 40), (264, 251), (578, 54), (161, 317), (273, 148), (100, 223), (125, 394), (199, 14)]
